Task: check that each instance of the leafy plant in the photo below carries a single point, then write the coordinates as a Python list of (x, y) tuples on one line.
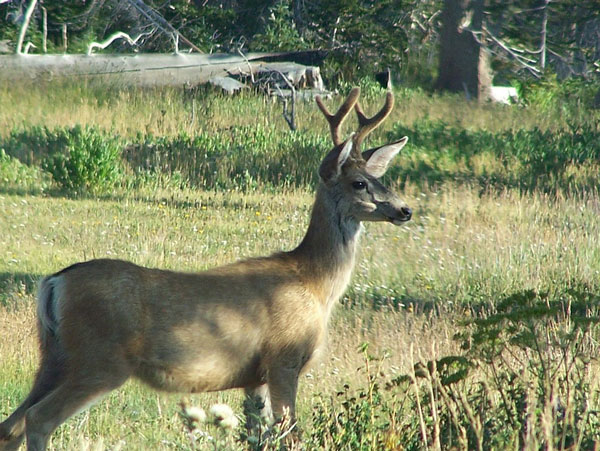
[(240, 158), (85, 159), (526, 159), (359, 419), (572, 93), (280, 32), (523, 382)]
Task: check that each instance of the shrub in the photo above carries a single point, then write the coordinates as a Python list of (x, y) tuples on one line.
[(360, 419), (571, 93), (35, 144), (90, 160), (238, 158), (280, 33), (524, 381), (78, 158)]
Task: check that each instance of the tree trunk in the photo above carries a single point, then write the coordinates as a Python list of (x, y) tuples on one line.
[(464, 61)]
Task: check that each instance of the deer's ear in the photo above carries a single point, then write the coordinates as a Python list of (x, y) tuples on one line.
[(379, 158), (331, 167)]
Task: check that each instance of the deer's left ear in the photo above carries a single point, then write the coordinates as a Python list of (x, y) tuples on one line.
[(379, 158), (331, 167)]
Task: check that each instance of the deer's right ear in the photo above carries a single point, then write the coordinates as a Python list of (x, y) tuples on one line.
[(379, 158), (331, 167)]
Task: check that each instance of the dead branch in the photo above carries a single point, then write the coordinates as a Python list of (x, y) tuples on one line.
[(28, 47), (119, 35), (524, 62), (239, 50), (161, 23), (288, 115), (25, 25)]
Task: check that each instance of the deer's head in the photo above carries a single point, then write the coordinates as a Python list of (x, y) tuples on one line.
[(351, 176)]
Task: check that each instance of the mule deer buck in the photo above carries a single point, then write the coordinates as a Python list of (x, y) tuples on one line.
[(253, 324)]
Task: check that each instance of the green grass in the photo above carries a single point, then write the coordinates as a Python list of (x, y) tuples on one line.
[(481, 232)]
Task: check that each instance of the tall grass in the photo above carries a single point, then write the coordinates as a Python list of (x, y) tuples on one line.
[(169, 112)]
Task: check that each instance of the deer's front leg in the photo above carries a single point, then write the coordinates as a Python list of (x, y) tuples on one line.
[(283, 386), (257, 408)]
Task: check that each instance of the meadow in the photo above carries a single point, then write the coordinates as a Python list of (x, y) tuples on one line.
[(473, 326)]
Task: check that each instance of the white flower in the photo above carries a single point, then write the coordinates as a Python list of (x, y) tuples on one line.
[(196, 414), (223, 416)]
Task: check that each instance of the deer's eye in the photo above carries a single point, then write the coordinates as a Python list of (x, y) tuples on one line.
[(359, 185)]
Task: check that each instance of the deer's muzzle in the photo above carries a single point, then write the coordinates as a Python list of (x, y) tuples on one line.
[(404, 214), (394, 213)]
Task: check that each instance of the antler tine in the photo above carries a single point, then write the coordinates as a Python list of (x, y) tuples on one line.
[(367, 125), (336, 120)]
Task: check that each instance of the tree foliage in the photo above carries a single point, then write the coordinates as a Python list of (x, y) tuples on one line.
[(362, 36), (571, 35)]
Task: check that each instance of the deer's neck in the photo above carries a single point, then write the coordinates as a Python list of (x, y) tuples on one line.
[(327, 252)]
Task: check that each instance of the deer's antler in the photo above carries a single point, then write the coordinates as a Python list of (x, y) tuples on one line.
[(336, 120), (367, 124)]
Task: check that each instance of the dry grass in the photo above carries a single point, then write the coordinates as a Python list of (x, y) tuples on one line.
[(168, 112)]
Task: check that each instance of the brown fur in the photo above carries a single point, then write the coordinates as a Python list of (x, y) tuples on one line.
[(253, 324)]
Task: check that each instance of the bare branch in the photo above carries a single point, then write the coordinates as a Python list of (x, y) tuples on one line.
[(114, 37), (28, 47), (239, 50), (289, 116), (25, 25), (522, 61), (161, 23)]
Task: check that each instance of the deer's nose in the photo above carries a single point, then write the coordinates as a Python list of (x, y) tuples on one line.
[(407, 212)]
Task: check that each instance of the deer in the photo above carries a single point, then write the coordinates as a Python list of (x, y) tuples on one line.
[(254, 324)]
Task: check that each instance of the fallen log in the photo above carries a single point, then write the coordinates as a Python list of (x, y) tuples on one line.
[(155, 69)]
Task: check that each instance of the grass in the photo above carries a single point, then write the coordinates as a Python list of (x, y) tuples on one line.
[(168, 112), (462, 250), (469, 246)]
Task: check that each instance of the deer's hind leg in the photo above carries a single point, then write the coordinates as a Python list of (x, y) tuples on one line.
[(12, 430), (85, 377), (74, 394)]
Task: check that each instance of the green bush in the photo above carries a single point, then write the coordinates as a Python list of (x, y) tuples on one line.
[(33, 145), (280, 33), (78, 158), (358, 419), (523, 381), (89, 160), (247, 157), (572, 93)]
